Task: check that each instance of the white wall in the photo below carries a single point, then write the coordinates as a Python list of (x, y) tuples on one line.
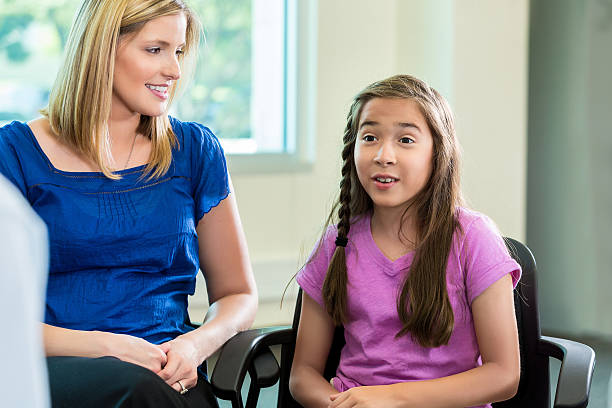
[(474, 52), (569, 164)]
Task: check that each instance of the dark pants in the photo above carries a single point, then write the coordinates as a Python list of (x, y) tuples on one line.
[(108, 382)]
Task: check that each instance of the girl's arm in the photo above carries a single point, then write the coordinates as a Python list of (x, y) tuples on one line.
[(231, 290), (314, 338), (496, 380)]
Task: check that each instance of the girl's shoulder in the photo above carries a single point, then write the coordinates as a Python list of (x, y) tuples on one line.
[(359, 225), (471, 221), (477, 232)]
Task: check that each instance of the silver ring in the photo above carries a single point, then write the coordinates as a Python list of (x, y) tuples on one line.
[(183, 389)]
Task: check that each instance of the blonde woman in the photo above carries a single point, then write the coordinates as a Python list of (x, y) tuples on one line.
[(135, 203)]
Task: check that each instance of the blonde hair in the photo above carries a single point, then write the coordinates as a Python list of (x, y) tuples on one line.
[(80, 99)]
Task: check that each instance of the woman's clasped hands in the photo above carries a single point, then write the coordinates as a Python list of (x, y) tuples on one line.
[(181, 370), (175, 361)]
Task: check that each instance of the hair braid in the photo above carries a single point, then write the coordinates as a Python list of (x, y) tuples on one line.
[(334, 288)]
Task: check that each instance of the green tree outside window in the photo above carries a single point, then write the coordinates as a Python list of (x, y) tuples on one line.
[(33, 35)]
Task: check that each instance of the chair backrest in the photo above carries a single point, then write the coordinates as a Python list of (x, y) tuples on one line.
[(534, 386)]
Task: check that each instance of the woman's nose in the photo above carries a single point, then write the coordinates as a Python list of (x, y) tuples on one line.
[(172, 70)]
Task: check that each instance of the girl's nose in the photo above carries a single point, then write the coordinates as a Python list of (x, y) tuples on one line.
[(385, 155)]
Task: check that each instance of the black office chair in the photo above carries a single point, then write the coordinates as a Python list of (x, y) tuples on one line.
[(249, 352)]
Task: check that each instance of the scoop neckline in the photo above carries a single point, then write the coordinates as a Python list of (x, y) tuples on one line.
[(127, 171)]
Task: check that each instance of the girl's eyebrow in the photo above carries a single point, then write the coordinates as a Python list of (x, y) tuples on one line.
[(368, 123), (398, 124), (408, 125)]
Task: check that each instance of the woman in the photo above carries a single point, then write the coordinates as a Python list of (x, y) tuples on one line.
[(135, 203)]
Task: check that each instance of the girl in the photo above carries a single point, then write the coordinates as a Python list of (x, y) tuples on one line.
[(422, 286), (135, 203)]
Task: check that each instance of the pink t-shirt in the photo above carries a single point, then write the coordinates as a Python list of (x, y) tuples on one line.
[(372, 354)]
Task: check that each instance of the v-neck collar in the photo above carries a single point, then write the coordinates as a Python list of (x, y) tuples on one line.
[(389, 267)]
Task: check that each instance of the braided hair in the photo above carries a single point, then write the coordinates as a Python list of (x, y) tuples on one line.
[(423, 304), (334, 287)]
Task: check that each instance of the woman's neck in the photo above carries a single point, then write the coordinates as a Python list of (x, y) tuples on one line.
[(122, 127), (125, 149)]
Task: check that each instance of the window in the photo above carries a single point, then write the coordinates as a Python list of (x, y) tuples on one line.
[(244, 88)]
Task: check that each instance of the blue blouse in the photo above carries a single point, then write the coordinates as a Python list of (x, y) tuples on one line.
[(123, 253)]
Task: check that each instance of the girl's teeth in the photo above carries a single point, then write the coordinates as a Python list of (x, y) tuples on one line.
[(384, 180)]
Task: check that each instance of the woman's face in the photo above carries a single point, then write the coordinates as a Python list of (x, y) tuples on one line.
[(147, 65), (393, 151)]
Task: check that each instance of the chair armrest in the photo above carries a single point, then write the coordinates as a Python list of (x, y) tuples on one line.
[(237, 355), (577, 365)]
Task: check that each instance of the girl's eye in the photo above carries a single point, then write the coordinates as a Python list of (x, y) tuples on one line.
[(180, 52), (154, 50), (369, 138), (407, 140)]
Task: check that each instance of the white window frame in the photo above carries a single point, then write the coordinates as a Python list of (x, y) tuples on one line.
[(300, 99)]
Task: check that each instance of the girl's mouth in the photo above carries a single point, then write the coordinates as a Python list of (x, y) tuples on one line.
[(385, 179), (384, 183)]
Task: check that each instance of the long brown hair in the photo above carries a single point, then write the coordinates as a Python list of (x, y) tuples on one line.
[(423, 304), (80, 99)]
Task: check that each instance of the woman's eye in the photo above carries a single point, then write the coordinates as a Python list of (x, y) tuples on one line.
[(180, 52), (406, 139), (154, 50), (369, 138)]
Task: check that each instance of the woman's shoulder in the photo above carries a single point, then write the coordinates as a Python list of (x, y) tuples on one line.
[(192, 132), (16, 152), (17, 142), (13, 133), (197, 144)]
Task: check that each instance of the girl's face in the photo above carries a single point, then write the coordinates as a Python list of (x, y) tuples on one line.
[(146, 65), (393, 151)]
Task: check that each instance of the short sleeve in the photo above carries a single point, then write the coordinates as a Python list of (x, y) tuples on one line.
[(486, 258), (10, 165), (312, 275), (210, 180)]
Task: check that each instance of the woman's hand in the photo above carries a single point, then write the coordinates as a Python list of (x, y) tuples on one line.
[(182, 365), (366, 397), (136, 351)]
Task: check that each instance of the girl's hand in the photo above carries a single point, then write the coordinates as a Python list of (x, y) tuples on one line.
[(182, 365), (136, 351), (366, 397)]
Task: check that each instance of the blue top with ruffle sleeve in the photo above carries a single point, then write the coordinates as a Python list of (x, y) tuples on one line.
[(123, 253)]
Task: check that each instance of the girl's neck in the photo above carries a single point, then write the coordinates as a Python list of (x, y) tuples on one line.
[(390, 230)]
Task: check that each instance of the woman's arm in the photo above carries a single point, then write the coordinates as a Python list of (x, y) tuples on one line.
[(496, 380), (66, 342), (314, 338), (232, 294)]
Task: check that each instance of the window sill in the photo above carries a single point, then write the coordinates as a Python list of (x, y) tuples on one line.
[(265, 163)]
